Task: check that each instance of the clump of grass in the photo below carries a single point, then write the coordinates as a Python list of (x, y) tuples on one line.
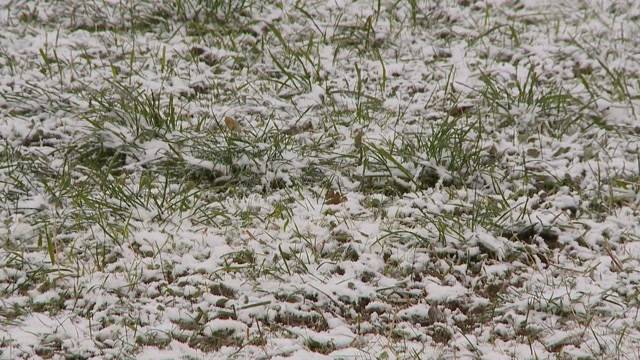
[(286, 170)]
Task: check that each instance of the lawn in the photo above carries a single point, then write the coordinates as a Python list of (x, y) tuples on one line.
[(247, 179)]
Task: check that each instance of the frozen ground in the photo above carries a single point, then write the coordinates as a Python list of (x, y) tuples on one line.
[(319, 179)]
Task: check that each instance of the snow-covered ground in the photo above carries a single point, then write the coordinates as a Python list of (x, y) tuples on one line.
[(319, 179)]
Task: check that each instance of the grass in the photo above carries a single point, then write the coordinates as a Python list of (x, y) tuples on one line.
[(174, 171)]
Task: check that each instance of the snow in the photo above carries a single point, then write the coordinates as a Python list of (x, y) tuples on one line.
[(221, 326), (212, 241), (175, 350), (439, 293)]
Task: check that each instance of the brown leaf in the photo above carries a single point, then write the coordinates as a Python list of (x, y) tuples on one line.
[(460, 110), (357, 139), (334, 198), (197, 51), (232, 124)]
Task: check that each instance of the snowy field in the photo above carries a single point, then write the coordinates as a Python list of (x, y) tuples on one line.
[(239, 179)]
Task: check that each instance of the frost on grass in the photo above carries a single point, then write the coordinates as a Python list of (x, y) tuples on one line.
[(247, 179)]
